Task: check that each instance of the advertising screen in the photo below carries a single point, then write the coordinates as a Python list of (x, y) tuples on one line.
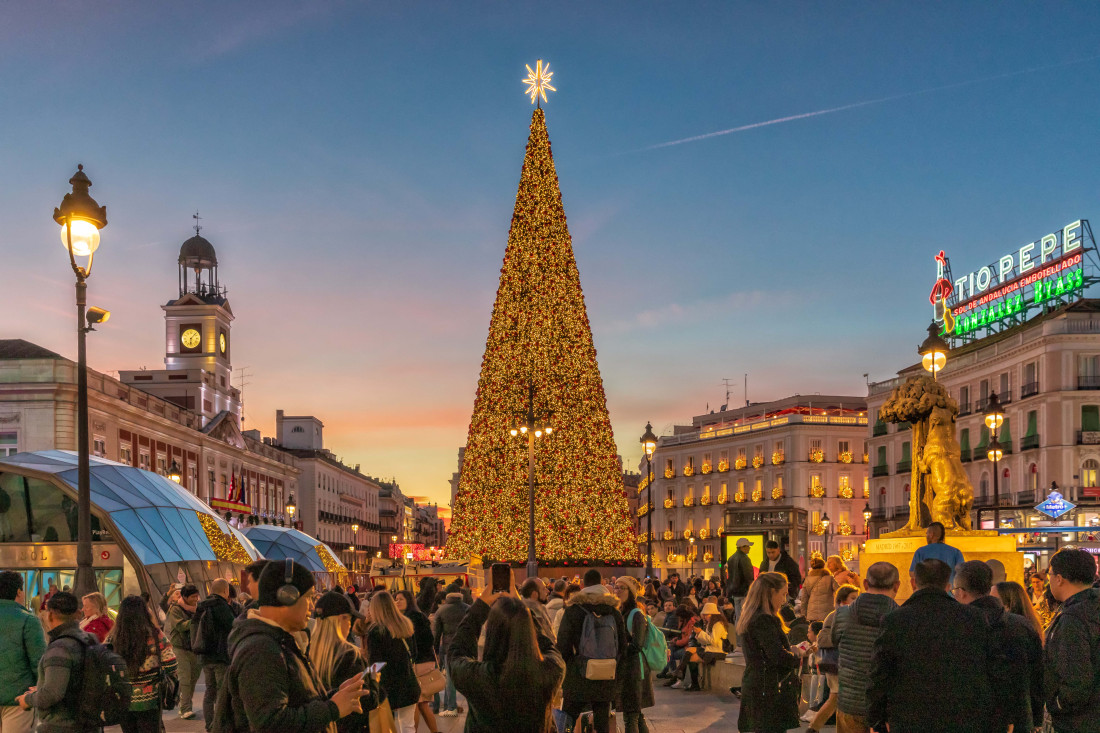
[(756, 552)]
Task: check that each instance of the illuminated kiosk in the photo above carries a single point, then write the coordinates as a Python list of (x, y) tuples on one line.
[(148, 532), (787, 525), (280, 543)]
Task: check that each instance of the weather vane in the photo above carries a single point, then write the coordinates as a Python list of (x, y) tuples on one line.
[(538, 81)]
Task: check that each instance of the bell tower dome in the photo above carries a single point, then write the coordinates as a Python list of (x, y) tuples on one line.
[(198, 371)]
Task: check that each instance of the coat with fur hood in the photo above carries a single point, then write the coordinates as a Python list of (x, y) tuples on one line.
[(576, 687)]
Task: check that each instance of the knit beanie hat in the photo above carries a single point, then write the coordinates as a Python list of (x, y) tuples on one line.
[(273, 577)]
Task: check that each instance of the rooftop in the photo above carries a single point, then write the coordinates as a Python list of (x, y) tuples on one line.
[(20, 349)]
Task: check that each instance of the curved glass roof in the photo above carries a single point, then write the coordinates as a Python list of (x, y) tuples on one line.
[(279, 543), (157, 518)]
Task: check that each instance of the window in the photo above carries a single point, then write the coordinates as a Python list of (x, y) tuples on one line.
[(983, 391), (881, 456), (9, 443), (51, 516), (845, 481), (964, 395), (842, 446), (983, 485), (815, 480), (741, 453), (1090, 418), (779, 484), (298, 429), (815, 444), (1088, 366), (1005, 386), (126, 454), (1033, 477), (964, 439), (906, 452), (1032, 422), (690, 464), (211, 485), (1089, 470), (866, 488), (162, 464), (99, 446), (143, 460), (669, 467), (1031, 373)]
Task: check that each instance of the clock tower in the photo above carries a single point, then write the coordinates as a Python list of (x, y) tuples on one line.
[(198, 346)]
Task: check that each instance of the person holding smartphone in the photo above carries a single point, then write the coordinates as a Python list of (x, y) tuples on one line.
[(511, 688), (391, 639)]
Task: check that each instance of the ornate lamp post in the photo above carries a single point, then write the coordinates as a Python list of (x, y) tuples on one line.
[(994, 417), (354, 544), (81, 218), (291, 508), (867, 514), (174, 473), (825, 522), (649, 445), (531, 427), (933, 351), (691, 555)]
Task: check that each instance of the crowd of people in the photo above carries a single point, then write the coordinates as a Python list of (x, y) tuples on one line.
[(963, 653)]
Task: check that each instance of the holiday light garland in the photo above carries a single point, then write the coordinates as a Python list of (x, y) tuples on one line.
[(540, 338), (225, 545)]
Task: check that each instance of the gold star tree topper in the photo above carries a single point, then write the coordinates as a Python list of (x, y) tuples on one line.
[(538, 81)]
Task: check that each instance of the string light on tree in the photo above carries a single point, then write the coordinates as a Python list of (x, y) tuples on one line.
[(539, 357)]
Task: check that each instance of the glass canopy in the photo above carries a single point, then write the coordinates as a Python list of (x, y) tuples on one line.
[(160, 521), (279, 543)]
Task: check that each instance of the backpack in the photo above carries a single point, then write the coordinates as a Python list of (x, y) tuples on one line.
[(598, 649), (202, 633), (104, 688), (654, 646)]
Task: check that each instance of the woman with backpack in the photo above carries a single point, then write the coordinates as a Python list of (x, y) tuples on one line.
[(511, 688), (150, 664), (391, 639), (636, 686), (424, 661), (770, 686)]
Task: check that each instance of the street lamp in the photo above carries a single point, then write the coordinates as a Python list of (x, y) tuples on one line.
[(691, 555), (649, 445), (81, 218), (354, 544), (994, 417), (933, 351), (174, 472), (531, 427), (291, 508), (867, 514), (825, 522)]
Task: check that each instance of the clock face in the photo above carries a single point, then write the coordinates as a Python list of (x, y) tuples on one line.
[(221, 342), (191, 338)]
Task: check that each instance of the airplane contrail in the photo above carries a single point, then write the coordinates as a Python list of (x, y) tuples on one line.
[(853, 105)]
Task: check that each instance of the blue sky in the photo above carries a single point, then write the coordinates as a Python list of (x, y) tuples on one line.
[(356, 164)]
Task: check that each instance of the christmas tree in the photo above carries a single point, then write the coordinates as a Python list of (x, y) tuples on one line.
[(540, 354)]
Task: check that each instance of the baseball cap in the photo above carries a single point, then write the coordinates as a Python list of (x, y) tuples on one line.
[(744, 542), (335, 604)]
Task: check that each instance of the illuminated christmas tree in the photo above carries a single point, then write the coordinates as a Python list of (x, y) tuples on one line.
[(540, 351)]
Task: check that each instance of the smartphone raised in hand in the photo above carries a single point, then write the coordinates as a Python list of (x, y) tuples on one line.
[(501, 577)]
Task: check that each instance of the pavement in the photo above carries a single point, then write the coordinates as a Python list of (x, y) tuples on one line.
[(676, 711)]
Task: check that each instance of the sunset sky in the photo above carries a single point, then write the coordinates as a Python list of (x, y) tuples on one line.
[(355, 165)]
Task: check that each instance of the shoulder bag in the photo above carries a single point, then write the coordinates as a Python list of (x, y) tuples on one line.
[(431, 678), (169, 683)]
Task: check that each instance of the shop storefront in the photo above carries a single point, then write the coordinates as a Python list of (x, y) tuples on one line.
[(148, 532)]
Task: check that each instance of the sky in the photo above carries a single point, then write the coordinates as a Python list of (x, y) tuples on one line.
[(355, 164)]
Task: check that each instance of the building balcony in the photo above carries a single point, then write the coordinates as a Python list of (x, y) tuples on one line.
[(1029, 442), (964, 408), (1088, 437), (904, 466), (981, 404), (878, 429), (1088, 382), (880, 471), (964, 455), (878, 512), (1029, 390)]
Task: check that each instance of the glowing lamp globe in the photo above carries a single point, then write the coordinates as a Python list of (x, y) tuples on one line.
[(995, 453), (994, 417), (85, 237), (933, 351), (649, 440)]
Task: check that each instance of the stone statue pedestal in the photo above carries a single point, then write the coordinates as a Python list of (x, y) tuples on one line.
[(998, 550)]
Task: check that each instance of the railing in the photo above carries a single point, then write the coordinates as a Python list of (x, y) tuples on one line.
[(964, 408), (981, 404), (878, 512), (763, 424), (964, 455), (1088, 437), (905, 466), (1029, 390), (880, 471), (1029, 441), (1088, 382), (878, 429), (1005, 397)]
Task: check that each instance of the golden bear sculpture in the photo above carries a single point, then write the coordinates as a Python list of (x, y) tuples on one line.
[(941, 460)]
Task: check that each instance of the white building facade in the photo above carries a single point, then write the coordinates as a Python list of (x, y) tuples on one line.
[(795, 465)]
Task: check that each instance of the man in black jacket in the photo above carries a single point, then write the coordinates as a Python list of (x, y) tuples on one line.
[(929, 667), (777, 560), (210, 629), (740, 575), (578, 691), (1073, 645), (271, 686), (1016, 674)]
